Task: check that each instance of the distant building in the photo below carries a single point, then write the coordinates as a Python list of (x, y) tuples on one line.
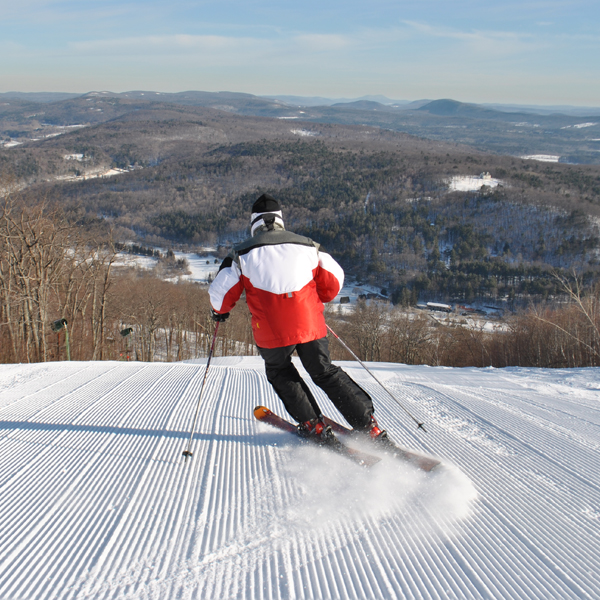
[(438, 306)]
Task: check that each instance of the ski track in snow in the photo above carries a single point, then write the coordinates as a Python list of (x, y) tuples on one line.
[(97, 502)]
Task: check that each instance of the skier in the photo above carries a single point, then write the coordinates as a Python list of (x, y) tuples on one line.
[(287, 278)]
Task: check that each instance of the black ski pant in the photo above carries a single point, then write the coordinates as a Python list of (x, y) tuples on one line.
[(347, 396)]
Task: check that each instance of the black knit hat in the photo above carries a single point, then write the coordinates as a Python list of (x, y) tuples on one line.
[(265, 204)]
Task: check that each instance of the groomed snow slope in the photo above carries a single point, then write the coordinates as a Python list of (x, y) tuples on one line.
[(96, 502)]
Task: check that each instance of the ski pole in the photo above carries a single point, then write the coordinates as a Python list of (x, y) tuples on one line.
[(187, 451), (341, 341)]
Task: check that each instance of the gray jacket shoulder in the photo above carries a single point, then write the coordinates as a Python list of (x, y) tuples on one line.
[(272, 238)]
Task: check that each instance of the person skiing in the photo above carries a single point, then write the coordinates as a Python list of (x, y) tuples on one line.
[(287, 278)]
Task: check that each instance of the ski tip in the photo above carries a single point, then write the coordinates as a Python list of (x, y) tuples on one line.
[(261, 411), (427, 463), (432, 467), (369, 462)]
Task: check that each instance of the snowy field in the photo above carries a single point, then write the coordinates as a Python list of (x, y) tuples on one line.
[(543, 157), (471, 183), (96, 502), (200, 268)]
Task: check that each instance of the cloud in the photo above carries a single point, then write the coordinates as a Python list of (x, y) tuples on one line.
[(496, 43), (506, 43), (211, 43), (222, 50), (172, 44)]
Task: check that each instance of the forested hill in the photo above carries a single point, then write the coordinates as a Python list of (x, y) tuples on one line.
[(410, 215)]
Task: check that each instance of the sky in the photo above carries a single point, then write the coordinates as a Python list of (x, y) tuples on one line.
[(526, 51)]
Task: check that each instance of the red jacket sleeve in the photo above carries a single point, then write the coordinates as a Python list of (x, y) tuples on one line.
[(329, 277)]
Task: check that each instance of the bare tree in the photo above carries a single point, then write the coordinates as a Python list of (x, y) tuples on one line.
[(584, 330), (35, 244), (408, 337), (367, 328), (50, 268)]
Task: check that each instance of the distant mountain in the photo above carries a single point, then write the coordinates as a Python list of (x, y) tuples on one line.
[(573, 138), (414, 105), (452, 108), (245, 104), (364, 105), (573, 111), (383, 100), (321, 101), (239, 100), (502, 112)]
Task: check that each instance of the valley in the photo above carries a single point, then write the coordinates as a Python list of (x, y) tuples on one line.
[(418, 216)]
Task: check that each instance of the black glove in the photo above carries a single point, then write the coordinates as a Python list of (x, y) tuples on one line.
[(215, 316)]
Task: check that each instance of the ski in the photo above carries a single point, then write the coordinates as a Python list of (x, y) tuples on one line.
[(265, 415), (425, 463)]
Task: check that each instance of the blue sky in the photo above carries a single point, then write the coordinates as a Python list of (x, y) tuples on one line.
[(530, 52)]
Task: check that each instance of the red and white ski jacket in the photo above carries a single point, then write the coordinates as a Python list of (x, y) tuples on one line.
[(286, 279)]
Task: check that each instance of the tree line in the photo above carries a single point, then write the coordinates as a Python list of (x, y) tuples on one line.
[(393, 224), (543, 336), (387, 215), (53, 269)]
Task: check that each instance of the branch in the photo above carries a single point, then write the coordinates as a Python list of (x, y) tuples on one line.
[(576, 296), (577, 339)]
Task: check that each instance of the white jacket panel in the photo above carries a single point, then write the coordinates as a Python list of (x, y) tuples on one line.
[(280, 269)]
